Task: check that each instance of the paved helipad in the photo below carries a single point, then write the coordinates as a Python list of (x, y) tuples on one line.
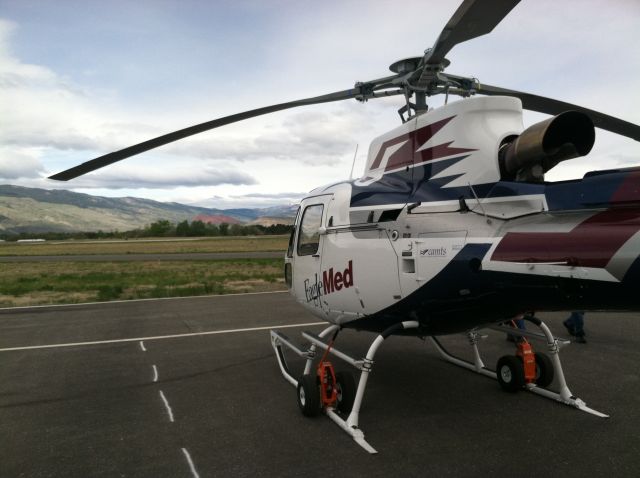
[(153, 396)]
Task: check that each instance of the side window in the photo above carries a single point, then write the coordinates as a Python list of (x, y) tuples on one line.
[(309, 237), (293, 234)]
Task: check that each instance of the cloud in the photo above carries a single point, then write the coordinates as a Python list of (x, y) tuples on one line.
[(13, 73), (44, 111), (271, 196), (36, 104), (251, 200), (321, 137), (52, 115), (19, 165)]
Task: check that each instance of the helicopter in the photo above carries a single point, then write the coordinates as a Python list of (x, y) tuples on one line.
[(452, 227)]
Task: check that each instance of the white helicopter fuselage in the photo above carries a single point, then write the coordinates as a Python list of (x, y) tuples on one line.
[(419, 235)]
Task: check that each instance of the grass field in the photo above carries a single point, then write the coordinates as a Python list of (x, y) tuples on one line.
[(147, 246), (38, 283)]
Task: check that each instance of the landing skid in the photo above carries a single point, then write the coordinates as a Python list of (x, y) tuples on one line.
[(553, 347), (350, 425)]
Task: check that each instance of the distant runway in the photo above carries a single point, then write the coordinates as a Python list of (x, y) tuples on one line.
[(190, 387), (199, 256)]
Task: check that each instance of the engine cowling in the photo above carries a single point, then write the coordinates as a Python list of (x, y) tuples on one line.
[(545, 144)]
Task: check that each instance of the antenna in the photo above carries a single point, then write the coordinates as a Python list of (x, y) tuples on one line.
[(479, 203), (354, 163)]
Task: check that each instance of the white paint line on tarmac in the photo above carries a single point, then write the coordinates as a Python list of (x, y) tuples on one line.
[(166, 404), (191, 465), (139, 300), (142, 346), (161, 337), (155, 373)]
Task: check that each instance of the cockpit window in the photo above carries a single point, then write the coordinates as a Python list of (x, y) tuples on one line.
[(293, 234), (309, 235)]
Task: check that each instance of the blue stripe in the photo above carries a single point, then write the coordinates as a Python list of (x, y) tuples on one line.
[(595, 190)]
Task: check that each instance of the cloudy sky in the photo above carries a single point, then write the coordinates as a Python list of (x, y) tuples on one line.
[(79, 79)]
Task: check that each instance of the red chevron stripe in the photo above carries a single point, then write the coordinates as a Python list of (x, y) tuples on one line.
[(406, 155), (590, 244), (629, 190)]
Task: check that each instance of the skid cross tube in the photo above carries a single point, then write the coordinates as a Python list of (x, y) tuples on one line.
[(350, 425), (553, 347), (317, 341)]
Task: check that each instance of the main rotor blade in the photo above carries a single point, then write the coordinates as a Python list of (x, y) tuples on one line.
[(111, 158), (472, 19), (550, 106)]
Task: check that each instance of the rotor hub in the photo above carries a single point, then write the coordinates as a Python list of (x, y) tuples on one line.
[(405, 65)]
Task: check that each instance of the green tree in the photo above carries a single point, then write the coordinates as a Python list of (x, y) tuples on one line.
[(198, 228), (237, 230), (183, 229), (159, 228), (212, 230)]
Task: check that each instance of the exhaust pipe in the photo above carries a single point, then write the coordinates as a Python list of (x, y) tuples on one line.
[(542, 146)]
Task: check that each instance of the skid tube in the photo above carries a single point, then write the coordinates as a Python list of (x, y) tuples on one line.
[(553, 347), (350, 425)]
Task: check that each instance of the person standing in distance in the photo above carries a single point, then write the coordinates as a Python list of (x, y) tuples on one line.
[(575, 325)]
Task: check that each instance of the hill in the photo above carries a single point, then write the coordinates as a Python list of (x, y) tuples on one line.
[(34, 210)]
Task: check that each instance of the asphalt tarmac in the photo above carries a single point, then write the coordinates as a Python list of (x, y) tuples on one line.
[(155, 394)]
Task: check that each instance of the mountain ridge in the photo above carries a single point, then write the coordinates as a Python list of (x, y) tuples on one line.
[(24, 209)]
